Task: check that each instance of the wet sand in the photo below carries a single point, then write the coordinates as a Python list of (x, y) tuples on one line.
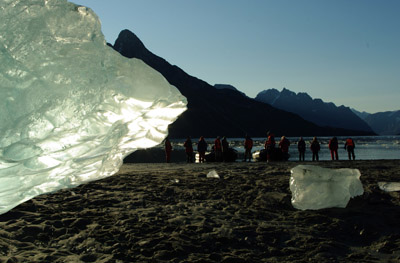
[(173, 213)]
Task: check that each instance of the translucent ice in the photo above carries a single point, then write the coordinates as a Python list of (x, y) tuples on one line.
[(314, 187), (389, 186), (213, 174), (71, 108)]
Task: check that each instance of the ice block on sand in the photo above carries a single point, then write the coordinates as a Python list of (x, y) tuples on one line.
[(315, 187)]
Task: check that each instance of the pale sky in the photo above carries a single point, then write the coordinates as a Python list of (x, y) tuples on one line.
[(342, 51)]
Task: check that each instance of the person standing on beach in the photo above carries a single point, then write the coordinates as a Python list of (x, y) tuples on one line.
[(248, 145), (225, 149), (188, 149), (218, 149), (333, 147), (270, 145), (315, 147), (284, 145), (301, 146), (202, 148), (168, 150), (349, 146)]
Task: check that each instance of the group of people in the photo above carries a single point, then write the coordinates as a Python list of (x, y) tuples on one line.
[(314, 147), (221, 147), (269, 147), (333, 146)]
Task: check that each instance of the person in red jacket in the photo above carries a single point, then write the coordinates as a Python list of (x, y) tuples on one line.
[(248, 145), (284, 145), (168, 150), (315, 147), (349, 146), (270, 145), (333, 147), (218, 149)]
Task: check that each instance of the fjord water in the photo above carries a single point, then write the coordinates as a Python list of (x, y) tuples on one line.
[(367, 147)]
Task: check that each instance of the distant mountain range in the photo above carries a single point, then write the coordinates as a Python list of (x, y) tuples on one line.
[(314, 110), (383, 123), (222, 110)]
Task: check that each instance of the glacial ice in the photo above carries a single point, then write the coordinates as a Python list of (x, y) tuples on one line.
[(389, 186), (71, 108), (315, 187), (213, 174)]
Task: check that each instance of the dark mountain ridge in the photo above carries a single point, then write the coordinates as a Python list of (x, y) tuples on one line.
[(383, 123), (227, 86), (314, 110), (224, 112)]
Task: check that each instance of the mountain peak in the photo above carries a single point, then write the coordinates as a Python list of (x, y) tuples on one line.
[(136, 47), (227, 86), (213, 112), (126, 34), (314, 110), (224, 86)]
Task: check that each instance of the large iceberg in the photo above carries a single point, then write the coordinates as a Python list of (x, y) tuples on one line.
[(71, 108), (315, 187)]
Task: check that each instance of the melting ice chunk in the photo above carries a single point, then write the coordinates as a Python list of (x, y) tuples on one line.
[(71, 108), (389, 186), (213, 174), (314, 187)]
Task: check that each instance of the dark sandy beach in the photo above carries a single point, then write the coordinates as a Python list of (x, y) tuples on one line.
[(173, 213)]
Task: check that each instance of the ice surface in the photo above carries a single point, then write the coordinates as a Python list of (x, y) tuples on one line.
[(314, 187), (213, 174), (389, 186), (71, 108)]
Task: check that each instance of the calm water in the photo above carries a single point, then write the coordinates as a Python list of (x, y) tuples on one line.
[(367, 147)]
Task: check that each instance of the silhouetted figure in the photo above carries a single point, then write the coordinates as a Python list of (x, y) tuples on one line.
[(248, 145), (225, 149), (168, 150), (202, 148), (218, 149), (349, 146), (189, 150), (301, 147), (333, 147), (270, 145), (284, 145), (315, 147)]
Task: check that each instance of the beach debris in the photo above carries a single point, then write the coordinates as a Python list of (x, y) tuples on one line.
[(315, 187), (389, 186), (71, 107), (213, 174)]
